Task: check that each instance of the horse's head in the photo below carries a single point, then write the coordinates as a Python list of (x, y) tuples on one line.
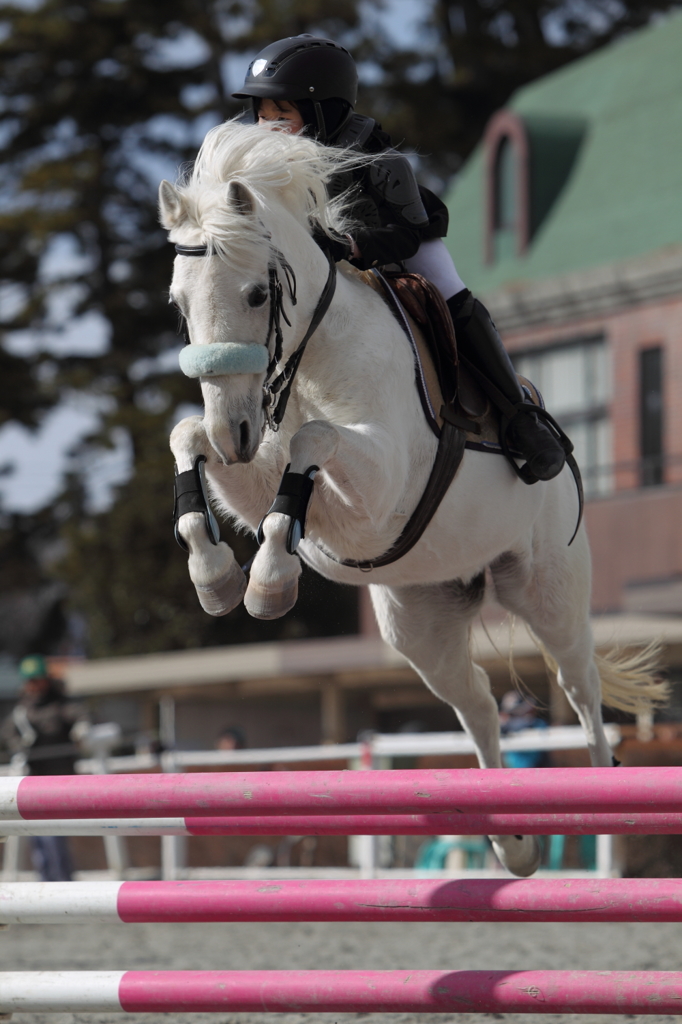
[(227, 311), (246, 212)]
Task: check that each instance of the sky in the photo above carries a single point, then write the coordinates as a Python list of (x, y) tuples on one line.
[(38, 458)]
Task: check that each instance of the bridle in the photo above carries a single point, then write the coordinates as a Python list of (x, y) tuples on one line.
[(277, 389)]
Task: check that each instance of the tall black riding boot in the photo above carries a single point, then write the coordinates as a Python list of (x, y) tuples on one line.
[(479, 342)]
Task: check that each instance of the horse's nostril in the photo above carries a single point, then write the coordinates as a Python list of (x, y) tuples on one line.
[(244, 435)]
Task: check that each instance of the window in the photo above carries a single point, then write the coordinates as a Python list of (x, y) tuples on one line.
[(506, 172), (574, 380), (529, 160), (651, 416), (505, 220)]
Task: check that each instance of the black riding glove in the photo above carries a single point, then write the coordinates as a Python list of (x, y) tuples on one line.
[(340, 247)]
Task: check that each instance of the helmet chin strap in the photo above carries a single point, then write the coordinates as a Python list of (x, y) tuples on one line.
[(321, 126)]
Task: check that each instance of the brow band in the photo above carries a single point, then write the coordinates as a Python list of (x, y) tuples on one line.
[(191, 250)]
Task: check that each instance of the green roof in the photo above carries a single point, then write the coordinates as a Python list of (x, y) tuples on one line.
[(622, 196)]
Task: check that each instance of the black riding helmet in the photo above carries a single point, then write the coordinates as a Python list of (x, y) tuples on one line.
[(314, 72)]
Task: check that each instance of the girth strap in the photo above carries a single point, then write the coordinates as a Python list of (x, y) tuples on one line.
[(448, 459), (296, 490)]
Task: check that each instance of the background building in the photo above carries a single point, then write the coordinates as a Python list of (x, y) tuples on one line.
[(567, 221)]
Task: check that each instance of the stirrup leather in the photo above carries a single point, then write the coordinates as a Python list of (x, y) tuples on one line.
[(524, 472)]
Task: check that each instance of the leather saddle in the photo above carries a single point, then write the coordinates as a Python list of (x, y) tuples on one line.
[(443, 381), (448, 382)]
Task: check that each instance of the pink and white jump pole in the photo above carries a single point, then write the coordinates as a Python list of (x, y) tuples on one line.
[(422, 802), (446, 791), (611, 899), (585, 823), (622, 992)]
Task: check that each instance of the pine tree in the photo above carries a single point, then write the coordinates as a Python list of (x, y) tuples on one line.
[(102, 98)]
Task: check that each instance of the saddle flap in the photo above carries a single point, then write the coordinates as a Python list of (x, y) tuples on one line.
[(427, 307)]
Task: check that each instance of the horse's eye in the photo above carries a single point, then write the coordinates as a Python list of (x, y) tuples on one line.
[(257, 296)]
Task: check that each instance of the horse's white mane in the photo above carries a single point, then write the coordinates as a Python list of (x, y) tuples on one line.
[(275, 167)]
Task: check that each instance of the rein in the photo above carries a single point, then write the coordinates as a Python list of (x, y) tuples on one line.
[(276, 393), (218, 359)]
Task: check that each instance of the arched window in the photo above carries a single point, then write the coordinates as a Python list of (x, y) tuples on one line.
[(505, 213), (506, 147)]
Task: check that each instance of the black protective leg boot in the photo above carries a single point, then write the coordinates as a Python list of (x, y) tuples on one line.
[(479, 342)]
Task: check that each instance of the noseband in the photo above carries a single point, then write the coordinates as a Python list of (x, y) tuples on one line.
[(218, 359)]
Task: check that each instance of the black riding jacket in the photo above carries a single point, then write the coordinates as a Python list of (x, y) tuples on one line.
[(395, 214), (40, 726)]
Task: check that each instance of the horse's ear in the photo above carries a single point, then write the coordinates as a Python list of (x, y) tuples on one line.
[(241, 198), (172, 211)]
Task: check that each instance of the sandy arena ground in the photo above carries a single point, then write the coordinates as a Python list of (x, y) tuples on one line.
[(370, 946)]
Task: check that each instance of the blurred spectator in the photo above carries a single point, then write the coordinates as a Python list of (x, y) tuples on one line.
[(231, 738), (516, 714), (43, 730)]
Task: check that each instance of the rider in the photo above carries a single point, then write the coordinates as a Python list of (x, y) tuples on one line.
[(309, 84)]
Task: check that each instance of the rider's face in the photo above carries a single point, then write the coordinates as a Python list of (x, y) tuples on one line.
[(280, 115)]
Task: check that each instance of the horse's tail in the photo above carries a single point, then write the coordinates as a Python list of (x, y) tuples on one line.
[(630, 679)]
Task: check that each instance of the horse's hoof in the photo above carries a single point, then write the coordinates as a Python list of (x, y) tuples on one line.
[(268, 604), (519, 854), (225, 594)]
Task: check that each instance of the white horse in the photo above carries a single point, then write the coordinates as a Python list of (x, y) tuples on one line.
[(355, 414)]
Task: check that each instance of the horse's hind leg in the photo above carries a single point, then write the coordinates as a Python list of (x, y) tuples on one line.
[(551, 592), (429, 625)]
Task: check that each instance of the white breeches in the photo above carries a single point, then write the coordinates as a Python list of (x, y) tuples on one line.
[(433, 261)]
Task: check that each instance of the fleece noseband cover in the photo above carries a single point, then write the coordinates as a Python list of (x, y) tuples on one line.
[(220, 358)]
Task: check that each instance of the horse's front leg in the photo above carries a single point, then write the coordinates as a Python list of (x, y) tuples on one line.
[(213, 569), (273, 580)]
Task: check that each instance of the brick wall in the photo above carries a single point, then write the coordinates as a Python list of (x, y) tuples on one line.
[(635, 534)]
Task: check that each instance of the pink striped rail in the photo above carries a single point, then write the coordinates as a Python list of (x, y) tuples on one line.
[(508, 791), (648, 823), (583, 824), (612, 899), (628, 799), (622, 992), (414, 900)]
